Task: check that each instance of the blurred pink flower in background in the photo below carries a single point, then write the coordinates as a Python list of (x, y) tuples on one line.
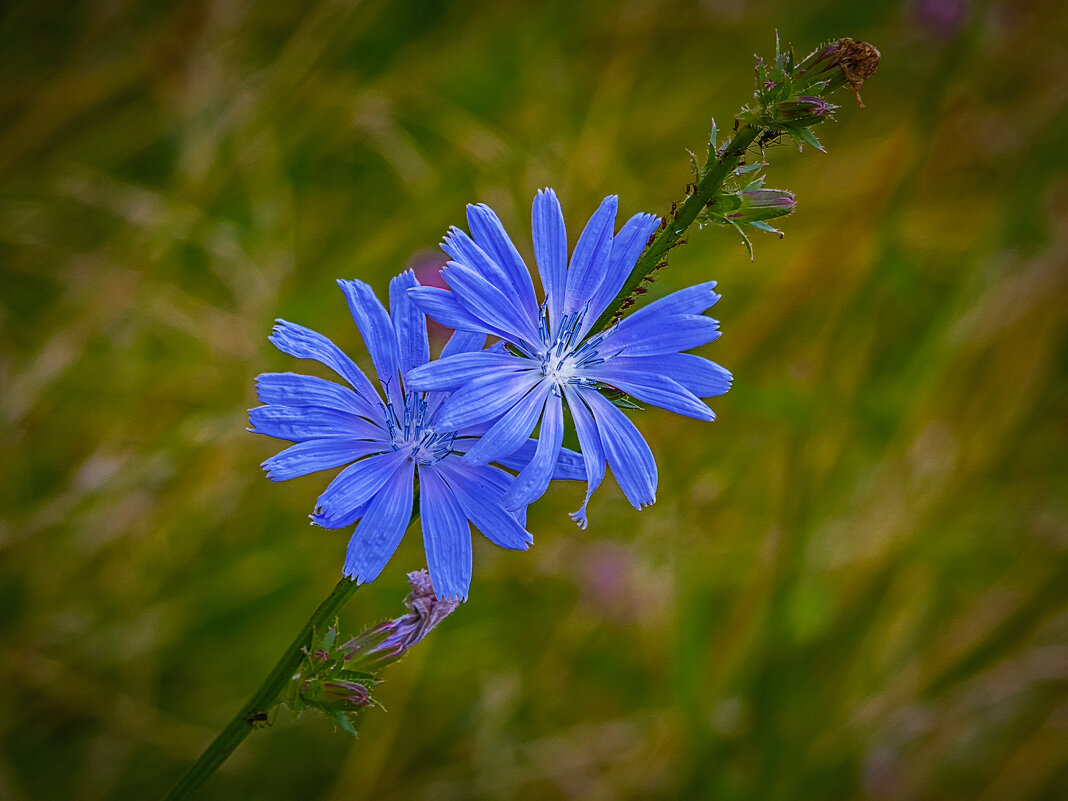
[(938, 19)]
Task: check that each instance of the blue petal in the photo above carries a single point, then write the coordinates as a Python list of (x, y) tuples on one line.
[(550, 251), (590, 445), (303, 343), (627, 246), (569, 465), (443, 306), (300, 423), (292, 389), (460, 342), (628, 453), (648, 385), (653, 336), (479, 491), (355, 485), (342, 521), (512, 430), (379, 532), (446, 536), (463, 342), (409, 323), (377, 330), (455, 371), (702, 377), (484, 398), (590, 259), (692, 300), (488, 303), (318, 454), (499, 481), (489, 234), (464, 251), (533, 479)]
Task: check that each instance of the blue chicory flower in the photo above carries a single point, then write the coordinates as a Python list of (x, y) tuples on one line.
[(552, 358), (387, 443)]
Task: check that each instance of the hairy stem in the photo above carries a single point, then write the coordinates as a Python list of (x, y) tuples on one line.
[(717, 169), (255, 709)]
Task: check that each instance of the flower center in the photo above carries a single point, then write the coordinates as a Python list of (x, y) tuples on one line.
[(558, 369), (562, 357), (410, 433)]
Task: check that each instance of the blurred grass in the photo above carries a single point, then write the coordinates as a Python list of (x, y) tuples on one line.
[(853, 585)]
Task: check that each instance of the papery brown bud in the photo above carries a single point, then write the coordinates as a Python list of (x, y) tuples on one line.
[(843, 62)]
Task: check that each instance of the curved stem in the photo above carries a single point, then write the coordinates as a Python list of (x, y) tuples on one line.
[(717, 169), (255, 709)]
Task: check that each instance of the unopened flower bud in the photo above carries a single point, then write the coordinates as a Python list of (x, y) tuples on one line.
[(325, 693), (762, 204), (345, 693), (804, 110)]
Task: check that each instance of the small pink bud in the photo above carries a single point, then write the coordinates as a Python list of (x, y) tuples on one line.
[(804, 110), (347, 693), (763, 204)]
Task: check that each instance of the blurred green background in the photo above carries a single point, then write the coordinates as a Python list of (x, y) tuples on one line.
[(853, 584)]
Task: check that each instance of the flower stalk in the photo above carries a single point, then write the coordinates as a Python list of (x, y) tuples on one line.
[(790, 100), (720, 166), (315, 672), (254, 712)]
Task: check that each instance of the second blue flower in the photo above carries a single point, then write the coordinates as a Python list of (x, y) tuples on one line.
[(554, 358)]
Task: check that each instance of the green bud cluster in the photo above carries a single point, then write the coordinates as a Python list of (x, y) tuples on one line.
[(790, 95), (324, 681), (337, 677)]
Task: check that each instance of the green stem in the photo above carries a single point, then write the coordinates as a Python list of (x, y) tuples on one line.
[(255, 709), (717, 169)]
